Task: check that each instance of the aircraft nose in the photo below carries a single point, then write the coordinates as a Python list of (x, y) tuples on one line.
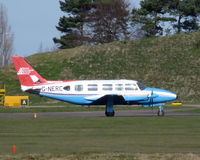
[(163, 95), (170, 95), (173, 96)]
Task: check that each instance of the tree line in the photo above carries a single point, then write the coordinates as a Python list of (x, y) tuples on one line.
[(90, 22)]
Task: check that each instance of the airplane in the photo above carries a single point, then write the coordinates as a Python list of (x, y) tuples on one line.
[(92, 92)]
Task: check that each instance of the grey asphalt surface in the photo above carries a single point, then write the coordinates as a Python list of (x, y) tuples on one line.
[(127, 113)]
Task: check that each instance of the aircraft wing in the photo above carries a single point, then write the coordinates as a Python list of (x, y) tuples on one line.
[(135, 98), (119, 99), (94, 97)]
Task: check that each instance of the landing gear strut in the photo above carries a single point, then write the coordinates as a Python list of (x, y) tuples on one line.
[(161, 111), (109, 107)]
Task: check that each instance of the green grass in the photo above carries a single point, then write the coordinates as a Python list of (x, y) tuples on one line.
[(170, 63), (101, 135)]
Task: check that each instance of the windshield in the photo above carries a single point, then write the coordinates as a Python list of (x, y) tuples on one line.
[(141, 86)]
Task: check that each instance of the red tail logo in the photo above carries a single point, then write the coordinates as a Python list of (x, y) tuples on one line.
[(24, 71)]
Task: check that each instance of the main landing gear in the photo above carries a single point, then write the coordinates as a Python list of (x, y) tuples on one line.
[(109, 107), (161, 111)]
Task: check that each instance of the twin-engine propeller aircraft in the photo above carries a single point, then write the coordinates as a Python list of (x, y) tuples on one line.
[(92, 92)]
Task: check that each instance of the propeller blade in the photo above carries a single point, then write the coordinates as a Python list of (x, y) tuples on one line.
[(151, 99)]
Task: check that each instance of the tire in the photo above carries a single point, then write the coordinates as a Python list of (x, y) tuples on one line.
[(110, 114), (162, 113)]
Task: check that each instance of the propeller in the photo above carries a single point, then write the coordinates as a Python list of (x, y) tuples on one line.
[(151, 98)]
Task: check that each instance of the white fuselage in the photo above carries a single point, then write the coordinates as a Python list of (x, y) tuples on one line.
[(87, 91)]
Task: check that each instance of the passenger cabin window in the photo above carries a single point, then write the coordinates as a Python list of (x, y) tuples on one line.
[(92, 87), (107, 87), (67, 88), (141, 86), (130, 87), (78, 88), (118, 87)]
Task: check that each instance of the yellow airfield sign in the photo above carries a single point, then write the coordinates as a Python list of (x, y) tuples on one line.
[(16, 101)]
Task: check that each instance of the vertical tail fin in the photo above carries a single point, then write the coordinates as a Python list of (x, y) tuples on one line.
[(25, 72)]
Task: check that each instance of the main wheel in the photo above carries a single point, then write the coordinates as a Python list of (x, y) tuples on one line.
[(110, 114)]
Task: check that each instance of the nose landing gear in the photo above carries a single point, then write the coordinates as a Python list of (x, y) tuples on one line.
[(161, 111)]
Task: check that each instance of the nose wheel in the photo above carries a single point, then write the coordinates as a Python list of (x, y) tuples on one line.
[(161, 111)]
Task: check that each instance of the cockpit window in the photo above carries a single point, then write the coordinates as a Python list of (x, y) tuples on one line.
[(141, 86)]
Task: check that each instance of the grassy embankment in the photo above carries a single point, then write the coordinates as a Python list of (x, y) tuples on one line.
[(100, 138), (170, 63)]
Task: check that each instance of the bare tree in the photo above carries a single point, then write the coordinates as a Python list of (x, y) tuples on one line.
[(41, 48), (6, 38)]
